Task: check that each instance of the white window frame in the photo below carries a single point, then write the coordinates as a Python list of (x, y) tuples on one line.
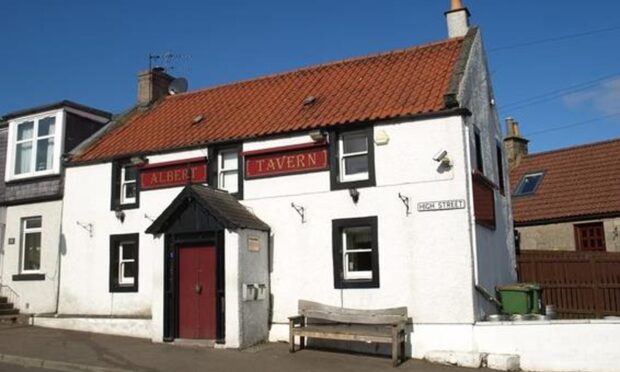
[(221, 171), (59, 127), (30, 230), (353, 275), (124, 281), (124, 183), (363, 176)]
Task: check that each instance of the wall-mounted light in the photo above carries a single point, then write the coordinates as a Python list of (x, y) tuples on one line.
[(318, 135), (138, 160), (354, 194), (120, 215)]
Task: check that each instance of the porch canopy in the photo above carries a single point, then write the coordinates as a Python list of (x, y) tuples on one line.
[(204, 208)]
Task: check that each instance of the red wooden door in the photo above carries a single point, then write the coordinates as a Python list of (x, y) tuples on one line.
[(197, 292)]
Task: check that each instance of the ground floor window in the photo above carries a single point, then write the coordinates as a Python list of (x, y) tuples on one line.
[(590, 237), (355, 253), (31, 244), (124, 263)]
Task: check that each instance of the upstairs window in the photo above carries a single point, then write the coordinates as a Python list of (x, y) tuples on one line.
[(500, 168), (353, 157), (225, 169), (529, 183), (124, 263), (478, 144), (33, 148), (129, 176), (228, 171), (31, 245), (353, 163), (125, 185)]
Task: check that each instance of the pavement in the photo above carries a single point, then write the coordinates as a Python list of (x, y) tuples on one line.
[(34, 349)]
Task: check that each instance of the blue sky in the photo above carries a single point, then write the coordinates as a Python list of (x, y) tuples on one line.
[(91, 51)]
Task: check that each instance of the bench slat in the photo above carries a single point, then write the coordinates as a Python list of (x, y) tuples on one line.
[(339, 333), (311, 309)]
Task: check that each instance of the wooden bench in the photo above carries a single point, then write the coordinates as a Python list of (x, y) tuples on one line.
[(335, 323)]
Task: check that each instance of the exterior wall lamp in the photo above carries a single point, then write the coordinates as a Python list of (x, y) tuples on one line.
[(120, 215), (354, 194), (318, 135)]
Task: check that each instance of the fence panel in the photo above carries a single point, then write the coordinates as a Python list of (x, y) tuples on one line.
[(579, 284)]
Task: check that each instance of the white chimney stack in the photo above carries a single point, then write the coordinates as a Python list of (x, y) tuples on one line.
[(458, 19)]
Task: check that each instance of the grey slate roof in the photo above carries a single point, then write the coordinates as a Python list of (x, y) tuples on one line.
[(55, 105), (224, 207)]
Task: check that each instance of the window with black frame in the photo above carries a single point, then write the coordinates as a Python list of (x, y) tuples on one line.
[(355, 253), (124, 262), (352, 163)]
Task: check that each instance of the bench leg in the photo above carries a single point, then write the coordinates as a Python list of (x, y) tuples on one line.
[(395, 346), (291, 338)]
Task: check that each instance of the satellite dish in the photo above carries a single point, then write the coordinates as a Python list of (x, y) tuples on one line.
[(178, 85)]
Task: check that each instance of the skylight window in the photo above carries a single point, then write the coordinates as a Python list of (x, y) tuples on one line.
[(529, 183)]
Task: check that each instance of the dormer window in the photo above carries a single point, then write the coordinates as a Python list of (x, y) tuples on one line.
[(529, 183), (33, 147)]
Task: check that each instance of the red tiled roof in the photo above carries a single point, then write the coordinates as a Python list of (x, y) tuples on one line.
[(578, 182), (391, 85)]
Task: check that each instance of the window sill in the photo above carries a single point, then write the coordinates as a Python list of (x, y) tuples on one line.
[(353, 184), (41, 177), (121, 207), (28, 277), (119, 289), (358, 284)]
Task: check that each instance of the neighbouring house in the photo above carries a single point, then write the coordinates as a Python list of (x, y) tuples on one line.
[(32, 144), (566, 199)]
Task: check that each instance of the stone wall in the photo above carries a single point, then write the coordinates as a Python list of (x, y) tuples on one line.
[(561, 236)]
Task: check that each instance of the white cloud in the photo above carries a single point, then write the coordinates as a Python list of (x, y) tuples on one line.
[(604, 98)]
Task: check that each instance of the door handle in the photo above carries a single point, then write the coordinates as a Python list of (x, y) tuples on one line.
[(198, 288)]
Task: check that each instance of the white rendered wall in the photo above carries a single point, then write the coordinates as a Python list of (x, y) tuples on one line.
[(253, 269), (495, 255), (35, 296), (425, 258)]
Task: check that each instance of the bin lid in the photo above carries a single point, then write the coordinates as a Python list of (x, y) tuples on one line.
[(520, 287)]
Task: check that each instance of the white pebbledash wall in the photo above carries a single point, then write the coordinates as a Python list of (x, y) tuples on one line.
[(33, 296)]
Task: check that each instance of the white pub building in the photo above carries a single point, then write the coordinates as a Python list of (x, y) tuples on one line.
[(372, 182)]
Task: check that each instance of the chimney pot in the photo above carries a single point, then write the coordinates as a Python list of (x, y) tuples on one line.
[(153, 85), (456, 5)]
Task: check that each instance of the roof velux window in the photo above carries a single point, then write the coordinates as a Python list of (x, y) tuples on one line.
[(529, 183)]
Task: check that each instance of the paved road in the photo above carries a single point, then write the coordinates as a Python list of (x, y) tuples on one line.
[(66, 350), (15, 368)]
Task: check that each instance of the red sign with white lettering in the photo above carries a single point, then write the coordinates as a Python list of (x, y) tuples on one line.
[(177, 173), (286, 160)]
